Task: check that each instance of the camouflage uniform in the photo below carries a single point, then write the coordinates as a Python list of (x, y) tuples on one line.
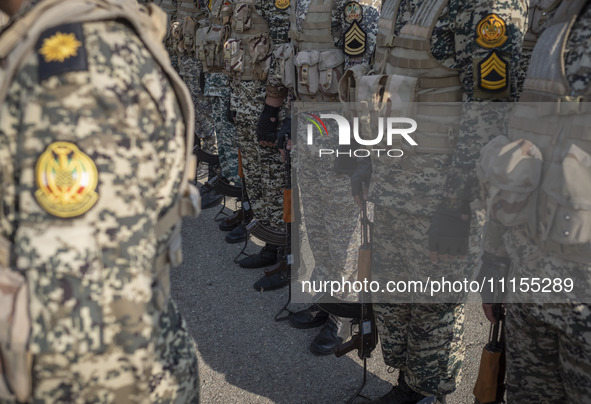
[(170, 8), (331, 214), (425, 340), (549, 345), (83, 105), (263, 168), (190, 69)]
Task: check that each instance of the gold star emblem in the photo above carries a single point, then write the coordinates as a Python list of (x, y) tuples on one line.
[(60, 47)]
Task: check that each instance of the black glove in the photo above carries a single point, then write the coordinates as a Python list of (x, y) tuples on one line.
[(493, 267), (230, 115), (266, 128), (285, 130), (361, 176), (449, 232)]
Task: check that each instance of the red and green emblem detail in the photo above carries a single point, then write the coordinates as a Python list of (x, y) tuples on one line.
[(66, 179)]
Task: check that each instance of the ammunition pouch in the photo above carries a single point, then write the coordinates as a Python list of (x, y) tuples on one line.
[(318, 74), (210, 47), (285, 65), (187, 44), (15, 329)]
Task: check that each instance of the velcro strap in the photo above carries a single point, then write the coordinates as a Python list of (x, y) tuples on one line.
[(405, 63), (413, 44), (428, 82)]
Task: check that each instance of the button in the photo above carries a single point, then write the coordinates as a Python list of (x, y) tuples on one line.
[(567, 217), (566, 233)]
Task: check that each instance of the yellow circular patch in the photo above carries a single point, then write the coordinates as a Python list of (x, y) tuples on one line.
[(282, 4), (66, 180), (60, 47), (490, 32)]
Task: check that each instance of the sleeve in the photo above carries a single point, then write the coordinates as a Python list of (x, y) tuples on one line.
[(277, 15), (100, 156), (488, 39)]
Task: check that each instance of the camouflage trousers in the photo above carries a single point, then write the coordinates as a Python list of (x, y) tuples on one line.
[(425, 340), (331, 215), (263, 168), (189, 70), (548, 353), (218, 92), (166, 372), (548, 345)]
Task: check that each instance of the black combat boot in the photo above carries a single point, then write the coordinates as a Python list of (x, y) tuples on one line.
[(237, 235), (231, 222), (210, 197), (311, 317), (336, 330), (404, 394), (266, 257), (275, 277)]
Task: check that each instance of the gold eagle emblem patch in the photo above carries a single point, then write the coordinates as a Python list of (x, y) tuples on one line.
[(491, 32), (66, 179), (353, 12), (281, 4)]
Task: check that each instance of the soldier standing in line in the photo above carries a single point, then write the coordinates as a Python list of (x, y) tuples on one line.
[(210, 52), (328, 38), (548, 345), (95, 132), (258, 28), (190, 14), (421, 201)]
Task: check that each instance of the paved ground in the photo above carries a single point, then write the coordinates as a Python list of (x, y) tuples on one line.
[(247, 357)]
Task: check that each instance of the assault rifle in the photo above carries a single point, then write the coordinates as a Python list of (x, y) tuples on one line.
[(366, 338), (287, 258), (246, 208)]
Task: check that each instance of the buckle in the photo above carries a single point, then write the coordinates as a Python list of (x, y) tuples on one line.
[(569, 105)]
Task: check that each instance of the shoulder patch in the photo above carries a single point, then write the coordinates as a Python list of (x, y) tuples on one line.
[(491, 32), (61, 50), (353, 12), (491, 76), (281, 4), (355, 39), (66, 179)]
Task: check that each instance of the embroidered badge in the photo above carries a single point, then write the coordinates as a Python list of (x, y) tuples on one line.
[(281, 4), (61, 50), (353, 12), (355, 39), (491, 76), (66, 179), (490, 32)]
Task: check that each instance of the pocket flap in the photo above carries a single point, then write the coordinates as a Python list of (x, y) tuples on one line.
[(511, 166), (330, 59), (569, 183), (309, 58)]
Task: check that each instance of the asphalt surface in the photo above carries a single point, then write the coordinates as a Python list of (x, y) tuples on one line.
[(247, 357)]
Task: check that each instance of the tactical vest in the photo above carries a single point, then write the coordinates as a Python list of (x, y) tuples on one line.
[(247, 53), (16, 45), (318, 63), (541, 174), (538, 15), (210, 38), (406, 60), (190, 17)]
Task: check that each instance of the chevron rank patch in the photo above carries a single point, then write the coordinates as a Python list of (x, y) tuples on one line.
[(61, 50), (66, 179), (490, 32), (355, 40), (491, 76)]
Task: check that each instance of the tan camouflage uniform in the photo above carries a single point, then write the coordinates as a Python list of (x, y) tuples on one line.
[(549, 345), (425, 340), (103, 327)]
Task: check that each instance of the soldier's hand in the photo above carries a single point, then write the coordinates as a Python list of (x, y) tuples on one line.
[(489, 313), (267, 126), (449, 233)]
